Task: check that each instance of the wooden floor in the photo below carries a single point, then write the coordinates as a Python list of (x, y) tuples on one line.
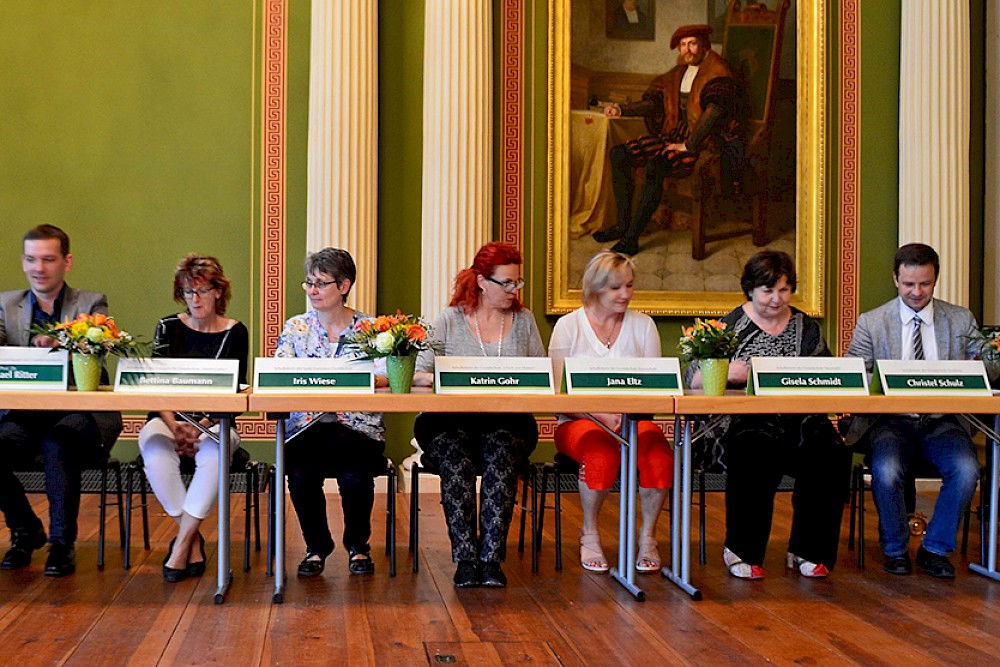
[(113, 616)]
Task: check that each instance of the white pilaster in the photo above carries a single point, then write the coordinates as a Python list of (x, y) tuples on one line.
[(457, 143), (342, 199), (934, 137)]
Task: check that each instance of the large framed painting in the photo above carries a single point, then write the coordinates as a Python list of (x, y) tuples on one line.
[(690, 151)]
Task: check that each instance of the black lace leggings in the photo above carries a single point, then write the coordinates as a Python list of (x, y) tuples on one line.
[(460, 446)]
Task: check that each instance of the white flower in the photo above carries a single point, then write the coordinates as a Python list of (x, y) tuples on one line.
[(383, 342)]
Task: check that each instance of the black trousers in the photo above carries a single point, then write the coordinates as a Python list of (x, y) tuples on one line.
[(64, 442), (460, 445), (758, 451), (333, 450)]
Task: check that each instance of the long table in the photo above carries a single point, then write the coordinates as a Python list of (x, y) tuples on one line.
[(278, 405), (222, 406), (738, 403)]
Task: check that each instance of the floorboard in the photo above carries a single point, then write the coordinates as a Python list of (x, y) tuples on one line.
[(114, 616)]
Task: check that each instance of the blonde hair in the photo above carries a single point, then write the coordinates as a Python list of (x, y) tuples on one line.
[(601, 269)]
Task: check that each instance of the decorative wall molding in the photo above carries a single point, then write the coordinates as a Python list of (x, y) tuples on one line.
[(512, 147), (850, 173)]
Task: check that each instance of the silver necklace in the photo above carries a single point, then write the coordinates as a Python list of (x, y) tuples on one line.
[(614, 327), (475, 321)]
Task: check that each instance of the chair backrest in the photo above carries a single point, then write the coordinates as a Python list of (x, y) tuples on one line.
[(752, 47)]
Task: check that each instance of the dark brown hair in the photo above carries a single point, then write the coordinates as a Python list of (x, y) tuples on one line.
[(765, 269), (916, 254), (43, 232)]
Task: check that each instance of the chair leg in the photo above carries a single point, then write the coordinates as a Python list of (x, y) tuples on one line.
[(536, 546), (701, 517), (247, 510), (558, 522), (861, 524), (103, 514), (414, 516), (390, 521), (256, 507), (271, 518), (127, 557), (540, 504), (524, 507), (144, 501), (118, 495), (854, 506)]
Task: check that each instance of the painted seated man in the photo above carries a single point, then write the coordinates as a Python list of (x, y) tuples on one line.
[(697, 107)]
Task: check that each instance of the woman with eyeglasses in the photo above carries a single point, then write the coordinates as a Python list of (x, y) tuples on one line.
[(201, 331), (484, 318), (604, 327), (346, 445)]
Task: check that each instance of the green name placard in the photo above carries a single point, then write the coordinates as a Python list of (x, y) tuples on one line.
[(308, 375), (809, 376), (500, 375), (509, 381), (911, 377), (638, 382), (32, 369)]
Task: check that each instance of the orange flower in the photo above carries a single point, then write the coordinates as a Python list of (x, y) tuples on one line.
[(416, 332), (382, 323), (99, 319)]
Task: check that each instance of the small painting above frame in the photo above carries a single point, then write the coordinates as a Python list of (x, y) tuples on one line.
[(706, 223)]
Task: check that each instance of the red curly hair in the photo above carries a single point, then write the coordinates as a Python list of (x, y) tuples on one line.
[(488, 258)]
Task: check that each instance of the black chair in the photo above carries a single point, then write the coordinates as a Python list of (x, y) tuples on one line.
[(93, 480), (526, 477), (921, 469), (244, 477), (392, 486)]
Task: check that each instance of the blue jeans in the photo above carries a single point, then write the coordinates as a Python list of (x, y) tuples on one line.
[(946, 445)]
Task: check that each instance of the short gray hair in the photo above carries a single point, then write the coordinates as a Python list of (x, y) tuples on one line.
[(334, 262), (601, 269)]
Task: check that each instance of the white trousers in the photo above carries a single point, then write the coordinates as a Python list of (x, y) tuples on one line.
[(162, 464)]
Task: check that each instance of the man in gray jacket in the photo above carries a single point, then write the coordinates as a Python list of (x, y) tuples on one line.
[(916, 326), (65, 441)]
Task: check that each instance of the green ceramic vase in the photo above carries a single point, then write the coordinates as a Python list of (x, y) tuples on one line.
[(713, 376), (87, 371), (400, 371)]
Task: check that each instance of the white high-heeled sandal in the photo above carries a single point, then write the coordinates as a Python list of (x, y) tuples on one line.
[(806, 568), (740, 569)]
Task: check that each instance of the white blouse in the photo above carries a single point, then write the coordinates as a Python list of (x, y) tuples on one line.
[(574, 337)]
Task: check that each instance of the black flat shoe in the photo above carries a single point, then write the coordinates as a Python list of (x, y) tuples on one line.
[(466, 574), (492, 576), (360, 561), (312, 568), (605, 235), (934, 564), (197, 568), (898, 564), (61, 560), (22, 543), (172, 575), (626, 247)]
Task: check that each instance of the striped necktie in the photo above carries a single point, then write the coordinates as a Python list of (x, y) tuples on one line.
[(918, 343)]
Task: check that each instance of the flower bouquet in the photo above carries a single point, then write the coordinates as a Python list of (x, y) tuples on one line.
[(89, 339), (988, 341), (711, 343), (398, 338)]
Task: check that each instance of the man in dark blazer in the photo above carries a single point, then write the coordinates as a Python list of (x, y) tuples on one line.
[(64, 441), (916, 326)]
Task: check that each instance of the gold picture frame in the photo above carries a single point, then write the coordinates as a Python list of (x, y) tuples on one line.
[(810, 176)]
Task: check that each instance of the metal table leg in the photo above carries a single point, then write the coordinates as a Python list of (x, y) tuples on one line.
[(225, 575), (989, 569), (624, 573), (679, 571), (279, 512)]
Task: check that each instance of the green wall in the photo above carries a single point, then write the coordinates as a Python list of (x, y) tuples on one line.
[(135, 126)]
